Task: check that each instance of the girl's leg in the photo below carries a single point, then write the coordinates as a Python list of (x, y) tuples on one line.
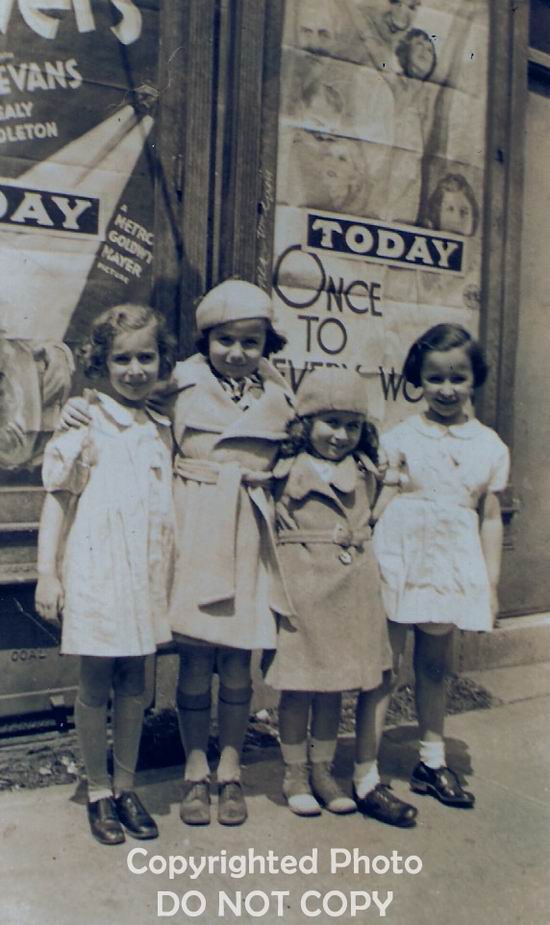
[(129, 688), (234, 698), (94, 688), (91, 723), (194, 707), (373, 797), (370, 716), (324, 735), (431, 664), (294, 709)]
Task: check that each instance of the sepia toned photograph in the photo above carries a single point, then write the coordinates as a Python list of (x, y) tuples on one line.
[(274, 493)]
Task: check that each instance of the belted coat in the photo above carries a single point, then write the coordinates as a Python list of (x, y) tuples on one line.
[(337, 639), (228, 586)]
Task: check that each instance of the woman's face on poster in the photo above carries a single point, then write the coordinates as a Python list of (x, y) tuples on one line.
[(456, 213), (421, 59)]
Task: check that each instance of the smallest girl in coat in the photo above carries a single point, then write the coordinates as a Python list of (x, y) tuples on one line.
[(105, 553), (439, 537), (337, 638)]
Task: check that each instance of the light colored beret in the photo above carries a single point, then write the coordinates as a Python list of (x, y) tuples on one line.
[(233, 300), (331, 389)]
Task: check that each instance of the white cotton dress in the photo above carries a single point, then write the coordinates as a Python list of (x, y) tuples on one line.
[(117, 558), (427, 541)]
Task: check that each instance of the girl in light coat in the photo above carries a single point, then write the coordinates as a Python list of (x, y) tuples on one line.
[(337, 640), (230, 411)]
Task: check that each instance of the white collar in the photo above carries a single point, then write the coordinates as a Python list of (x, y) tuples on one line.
[(123, 415), (465, 431)]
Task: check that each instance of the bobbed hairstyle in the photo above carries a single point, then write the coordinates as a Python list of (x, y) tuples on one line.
[(299, 433), (94, 352), (444, 337), (403, 52), (274, 342), (451, 183)]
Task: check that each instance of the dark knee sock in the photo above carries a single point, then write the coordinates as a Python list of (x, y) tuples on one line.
[(91, 726), (233, 717), (194, 712), (127, 729)]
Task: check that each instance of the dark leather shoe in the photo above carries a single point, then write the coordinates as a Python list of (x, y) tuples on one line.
[(104, 822), (134, 817), (443, 784), (382, 804), (231, 805), (195, 805)]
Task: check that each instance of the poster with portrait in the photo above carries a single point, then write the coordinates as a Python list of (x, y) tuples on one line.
[(381, 131), (78, 90)]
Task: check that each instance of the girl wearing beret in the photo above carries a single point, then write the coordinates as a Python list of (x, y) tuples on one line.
[(337, 638)]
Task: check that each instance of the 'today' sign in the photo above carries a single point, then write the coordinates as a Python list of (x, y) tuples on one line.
[(31, 208), (389, 244)]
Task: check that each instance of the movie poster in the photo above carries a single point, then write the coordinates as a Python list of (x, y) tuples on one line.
[(380, 180), (78, 91)]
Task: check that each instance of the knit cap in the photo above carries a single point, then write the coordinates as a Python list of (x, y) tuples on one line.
[(233, 300), (331, 388)]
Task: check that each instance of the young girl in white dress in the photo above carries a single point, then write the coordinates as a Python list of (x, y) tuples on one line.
[(439, 536), (229, 408), (336, 639), (105, 553)]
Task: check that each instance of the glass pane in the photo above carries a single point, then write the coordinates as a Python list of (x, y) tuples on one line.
[(539, 25)]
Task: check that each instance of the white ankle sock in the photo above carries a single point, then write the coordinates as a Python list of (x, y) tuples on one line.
[(365, 777), (432, 754)]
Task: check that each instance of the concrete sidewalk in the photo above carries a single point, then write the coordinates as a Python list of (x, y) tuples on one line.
[(485, 866)]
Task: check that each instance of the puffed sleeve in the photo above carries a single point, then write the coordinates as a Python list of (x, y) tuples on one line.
[(390, 459), (500, 469), (66, 465)]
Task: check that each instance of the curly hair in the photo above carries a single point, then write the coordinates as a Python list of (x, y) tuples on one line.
[(274, 342), (94, 352), (444, 337), (299, 433)]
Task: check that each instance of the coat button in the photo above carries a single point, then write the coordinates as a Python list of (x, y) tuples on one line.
[(346, 557)]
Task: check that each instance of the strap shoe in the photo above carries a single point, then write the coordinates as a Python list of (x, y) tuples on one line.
[(134, 817), (443, 784), (381, 803), (104, 822)]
